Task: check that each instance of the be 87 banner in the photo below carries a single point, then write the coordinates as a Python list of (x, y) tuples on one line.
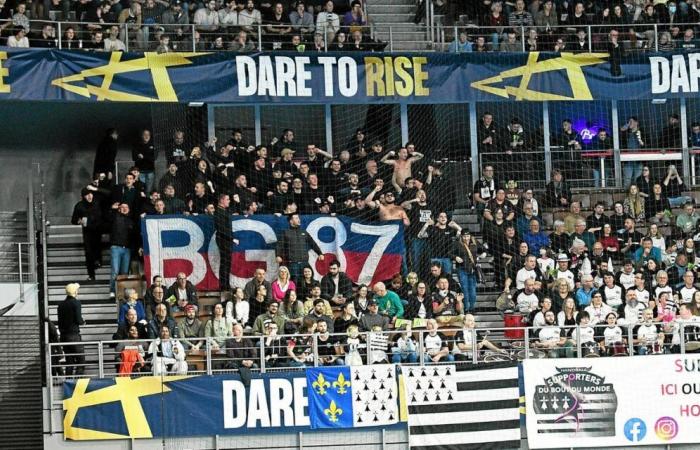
[(366, 252)]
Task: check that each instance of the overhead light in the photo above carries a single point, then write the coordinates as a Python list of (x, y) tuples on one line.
[(658, 101), (200, 104)]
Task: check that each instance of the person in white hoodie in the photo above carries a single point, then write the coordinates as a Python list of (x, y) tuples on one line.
[(168, 355)]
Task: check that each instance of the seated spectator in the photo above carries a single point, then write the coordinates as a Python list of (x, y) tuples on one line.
[(526, 299), (319, 313), (355, 19), (249, 16), (310, 302), (371, 318), (511, 43), (191, 328), (282, 284), (448, 306), (306, 283), (597, 310), (648, 335), (584, 294), (657, 206), (18, 39), (183, 289), (241, 351), (112, 43), (522, 223), (558, 192), (536, 238), (361, 300), (346, 319), (207, 18), (130, 354), (559, 240), (584, 235), (389, 303), (328, 22), (567, 316), (131, 320), (336, 286), (467, 337), (251, 287), (218, 327), (404, 347), (162, 319), (302, 21), (274, 346), (552, 339), (168, 355), (561, 290), (272, 315), (292, 310), (327, 345), (572, 217), (131, 301), (687, 220), (647, 251), (529, 271), (436, 345), (634, 203), (536, 318), (630, 239), (461, 44), (520, 17), (278, 26)]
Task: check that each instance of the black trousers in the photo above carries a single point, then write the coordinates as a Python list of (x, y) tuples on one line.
[(92, 243), (75, 354), (224, 263)]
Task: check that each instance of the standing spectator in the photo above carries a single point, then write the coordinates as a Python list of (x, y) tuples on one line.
[(440, 236), (70, 319), (293, 247), (121, 239), (106, 154), (88, 214), (466, 252), (601, 142), (144, 156), (224, 240), (633, 140)]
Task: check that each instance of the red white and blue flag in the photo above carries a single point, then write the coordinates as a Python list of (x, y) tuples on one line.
[(367, 252)]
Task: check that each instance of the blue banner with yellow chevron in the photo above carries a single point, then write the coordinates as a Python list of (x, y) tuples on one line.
[(223, 77), (180, 406), (351, 397)]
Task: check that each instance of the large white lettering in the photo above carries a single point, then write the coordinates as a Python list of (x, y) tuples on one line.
[(347, 76), (278, 76), (334, 246), (660, 71), (234, 413), (384, 233), (160, 253), (258, 255), (258, 410), (281, 398)]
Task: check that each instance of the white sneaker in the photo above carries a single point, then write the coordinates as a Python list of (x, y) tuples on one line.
[(111, 295)]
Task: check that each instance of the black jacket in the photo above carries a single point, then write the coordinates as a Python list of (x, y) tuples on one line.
[(92, 211), (295, 244), (190, 290), (122, 333), (105, 156), (411, 310), (70, 316), (123, 229), (148, 152), (328, 286)]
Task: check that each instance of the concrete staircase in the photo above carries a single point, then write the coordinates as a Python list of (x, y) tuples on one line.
[(13, 230), (398, 14), (66, 264)]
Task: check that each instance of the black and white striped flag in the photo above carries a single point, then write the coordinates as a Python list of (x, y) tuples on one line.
[(464, 407)]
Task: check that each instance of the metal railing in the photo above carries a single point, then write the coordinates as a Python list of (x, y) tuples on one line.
[(162, 38), (633, 37)]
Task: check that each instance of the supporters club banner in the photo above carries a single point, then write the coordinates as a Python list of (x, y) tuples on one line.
[(172, 244), (224, 77), (650, 400)]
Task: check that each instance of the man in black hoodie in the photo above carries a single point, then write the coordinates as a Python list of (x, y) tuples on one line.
[(144, 156), (88, 215)]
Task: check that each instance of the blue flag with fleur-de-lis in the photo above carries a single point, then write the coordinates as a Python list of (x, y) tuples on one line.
[(357, 396)]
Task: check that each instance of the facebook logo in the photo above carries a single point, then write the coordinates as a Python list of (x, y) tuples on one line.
[(635, 430)]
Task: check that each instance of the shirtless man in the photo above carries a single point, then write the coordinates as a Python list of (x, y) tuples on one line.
[(387, 209), (402, 164)]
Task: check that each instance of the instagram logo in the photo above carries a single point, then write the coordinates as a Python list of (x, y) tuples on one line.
[(666, 428)]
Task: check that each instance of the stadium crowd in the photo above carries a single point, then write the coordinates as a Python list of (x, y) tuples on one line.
[(630, 265), (166, 26)]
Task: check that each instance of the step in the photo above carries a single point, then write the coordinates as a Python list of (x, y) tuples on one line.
[(400, 16), (411, 47), (73, 238), (64, 279), (408, 8), (63, 229)]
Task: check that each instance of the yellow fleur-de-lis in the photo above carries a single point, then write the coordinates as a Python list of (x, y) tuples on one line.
[(333, 412), (340, 384), (320, 384)]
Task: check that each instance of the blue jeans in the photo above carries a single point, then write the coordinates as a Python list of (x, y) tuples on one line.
[(147, 178), (399, 357), (677, 202), (296, 270), (446, 264), (120, 259), (631, 171), (468, 283), (596, 176), (449, 358), (417, 251)]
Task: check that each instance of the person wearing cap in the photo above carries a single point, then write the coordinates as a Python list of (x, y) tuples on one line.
[(70, 319), (286, 163), (88, 214), (371, 318), (191, 328), (563, 271), (272, 314)]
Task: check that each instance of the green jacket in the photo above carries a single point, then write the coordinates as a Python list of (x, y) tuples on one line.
[(390, 303)]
